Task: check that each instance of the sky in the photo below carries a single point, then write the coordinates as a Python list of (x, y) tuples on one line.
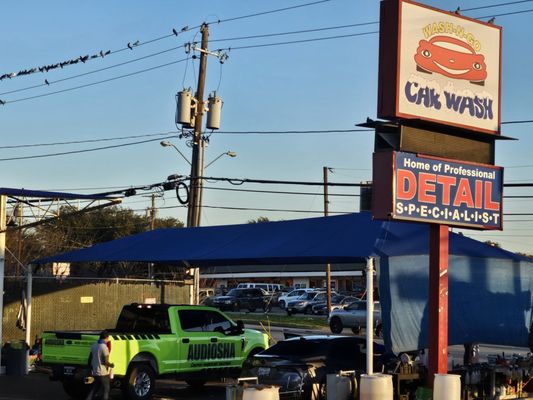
[(318, 85)]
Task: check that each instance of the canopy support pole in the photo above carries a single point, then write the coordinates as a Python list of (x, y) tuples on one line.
[(370, 315), (29, 290)]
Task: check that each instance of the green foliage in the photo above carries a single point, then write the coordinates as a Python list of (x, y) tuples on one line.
[(74, 230), (258, 220)]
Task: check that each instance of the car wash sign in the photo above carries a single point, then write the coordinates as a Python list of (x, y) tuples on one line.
[(439, 66), (436, 190)]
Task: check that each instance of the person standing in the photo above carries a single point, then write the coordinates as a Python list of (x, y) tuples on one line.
[(100, 367)]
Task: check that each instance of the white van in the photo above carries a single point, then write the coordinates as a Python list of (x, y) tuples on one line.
[(269, 287)]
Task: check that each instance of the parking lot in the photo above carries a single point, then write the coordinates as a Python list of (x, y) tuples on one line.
[(37, 386)]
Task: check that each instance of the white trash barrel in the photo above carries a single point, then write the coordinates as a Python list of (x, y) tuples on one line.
[(376, 387), (260, 392), (447, 387), (340, 387)]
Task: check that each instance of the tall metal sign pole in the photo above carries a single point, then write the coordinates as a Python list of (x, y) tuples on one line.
[(439, 92), (3, 202)]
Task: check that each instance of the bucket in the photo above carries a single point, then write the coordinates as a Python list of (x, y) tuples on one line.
[(340, 387), (260, 392), (376, 387), (447, 387)]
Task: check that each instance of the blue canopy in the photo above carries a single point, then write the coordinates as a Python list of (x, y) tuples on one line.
[(491, 289), (338, 239)]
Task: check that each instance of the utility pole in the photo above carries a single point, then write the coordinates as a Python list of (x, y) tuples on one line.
[(328, 265), (197, 164), (194, 211)]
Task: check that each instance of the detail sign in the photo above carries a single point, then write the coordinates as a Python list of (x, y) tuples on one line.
[(435, 190), (446, 68)]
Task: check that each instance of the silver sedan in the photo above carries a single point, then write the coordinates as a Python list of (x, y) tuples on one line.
[(354, 316)]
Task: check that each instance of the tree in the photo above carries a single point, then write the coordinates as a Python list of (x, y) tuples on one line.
[(258, 220), (68, 233)]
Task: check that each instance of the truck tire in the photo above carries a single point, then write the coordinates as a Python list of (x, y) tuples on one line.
[(76, 389), (356, 330), (335, 325), (281, 304), (139, 383), (308, 310)]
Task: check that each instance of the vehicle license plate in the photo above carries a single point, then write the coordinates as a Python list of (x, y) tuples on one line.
[(69, 370), (263, 371)]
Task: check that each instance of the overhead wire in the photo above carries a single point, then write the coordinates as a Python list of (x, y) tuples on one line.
[(174, 33)]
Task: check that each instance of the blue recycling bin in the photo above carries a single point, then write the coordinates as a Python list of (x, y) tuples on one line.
[(16, 358)]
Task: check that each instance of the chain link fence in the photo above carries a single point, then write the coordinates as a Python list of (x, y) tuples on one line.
[(70, 303)]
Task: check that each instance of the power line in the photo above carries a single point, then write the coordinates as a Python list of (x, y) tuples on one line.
[(94, 71), (175, 133), (138, 43), (281, 192), (95, 83), (77, 151), (496, 5), (17, 146), (4, 102), (505, 14)]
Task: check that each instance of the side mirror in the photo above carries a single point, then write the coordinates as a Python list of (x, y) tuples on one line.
[(240, 326)]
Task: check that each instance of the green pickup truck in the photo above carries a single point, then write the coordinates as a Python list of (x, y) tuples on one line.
[(192, 343)]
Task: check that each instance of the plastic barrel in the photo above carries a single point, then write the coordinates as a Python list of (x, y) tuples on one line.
[(447, 387), (376, 387), (340, 387), (260, 392)]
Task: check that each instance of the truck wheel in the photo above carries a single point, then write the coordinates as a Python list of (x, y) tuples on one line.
[(139, 384), (308, 310), (281, 304), (335, 325), (75, 389), (196, 382), (356, 330)]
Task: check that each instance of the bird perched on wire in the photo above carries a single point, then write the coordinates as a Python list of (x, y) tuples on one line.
[(491, 21), (46, 81), (175, 32), (457, 11), (132, 45), (2, 102)]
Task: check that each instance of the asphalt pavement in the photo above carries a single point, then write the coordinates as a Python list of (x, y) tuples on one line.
[(37, 386)]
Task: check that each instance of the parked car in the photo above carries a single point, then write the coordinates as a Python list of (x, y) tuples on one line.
[(354, 316), (236, 299), (284, 299), (298, 363), (304, 303), (337, 301)]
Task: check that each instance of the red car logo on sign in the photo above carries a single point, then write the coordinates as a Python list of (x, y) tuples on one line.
[(451, 57)]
